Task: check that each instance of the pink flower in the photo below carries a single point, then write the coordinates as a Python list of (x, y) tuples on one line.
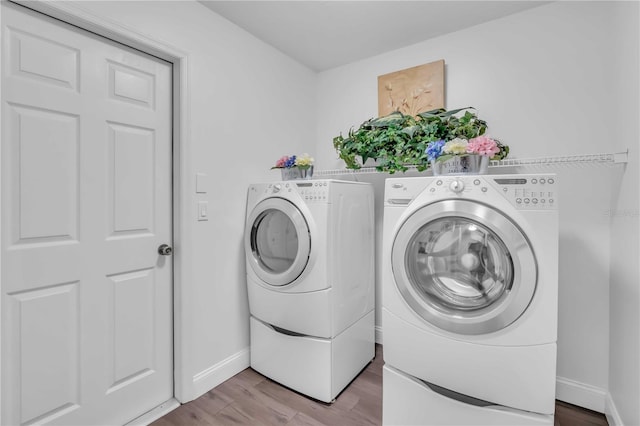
[(483, 145), (282, 161)]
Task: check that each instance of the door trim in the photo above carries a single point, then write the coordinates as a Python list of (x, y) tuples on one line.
[(182, 295)]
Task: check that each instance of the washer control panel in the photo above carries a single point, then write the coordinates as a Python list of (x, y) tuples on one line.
[(527, 192), (530, 192)]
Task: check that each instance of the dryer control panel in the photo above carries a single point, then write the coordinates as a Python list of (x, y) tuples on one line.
[(317, 191)]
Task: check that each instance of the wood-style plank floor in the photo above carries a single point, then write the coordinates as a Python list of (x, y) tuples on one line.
[(249, 398)]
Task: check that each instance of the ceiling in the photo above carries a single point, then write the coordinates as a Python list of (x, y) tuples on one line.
[(328, 34)]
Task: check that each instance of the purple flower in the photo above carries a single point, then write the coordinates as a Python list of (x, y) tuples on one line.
[(291, 161), (434, 149)]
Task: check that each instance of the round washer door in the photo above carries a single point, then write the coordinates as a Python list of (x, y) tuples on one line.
[(464, 267), (277, 241)]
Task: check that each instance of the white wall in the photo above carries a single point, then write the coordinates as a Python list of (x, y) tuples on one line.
[(249, 104), (624, 361), (544, 80)]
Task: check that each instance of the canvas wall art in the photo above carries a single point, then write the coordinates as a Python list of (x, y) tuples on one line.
[(412, 90)]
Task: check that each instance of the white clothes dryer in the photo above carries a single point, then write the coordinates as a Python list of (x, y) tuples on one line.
[(310, 280), (469, 300)]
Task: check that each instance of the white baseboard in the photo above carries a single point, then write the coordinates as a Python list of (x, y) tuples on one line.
[(378, 334), (581, 394), (610, 410), (211, 377)]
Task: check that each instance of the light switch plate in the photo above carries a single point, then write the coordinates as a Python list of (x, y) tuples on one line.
[(201, 183), (203, 210)]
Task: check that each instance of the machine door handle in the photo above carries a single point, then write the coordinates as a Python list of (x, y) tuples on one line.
[(165, 250)]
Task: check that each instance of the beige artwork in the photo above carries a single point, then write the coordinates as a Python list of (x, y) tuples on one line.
[(412, 90)]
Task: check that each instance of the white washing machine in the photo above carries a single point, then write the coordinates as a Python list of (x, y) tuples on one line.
[(310, 277), (469, 299)]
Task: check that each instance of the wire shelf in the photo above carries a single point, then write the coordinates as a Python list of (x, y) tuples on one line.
[(606, 159)]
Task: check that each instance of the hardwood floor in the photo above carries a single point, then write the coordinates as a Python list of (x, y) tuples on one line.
[(249, 398), (569, 415)]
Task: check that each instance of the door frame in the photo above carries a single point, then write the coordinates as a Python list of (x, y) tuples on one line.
[(183, 387)]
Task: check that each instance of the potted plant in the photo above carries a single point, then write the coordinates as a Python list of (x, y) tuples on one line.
[(390, 140), (397, 141), (295, 167)]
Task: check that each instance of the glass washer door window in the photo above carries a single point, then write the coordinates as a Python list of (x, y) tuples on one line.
[(457, 263), (464, 267), (277, 241)]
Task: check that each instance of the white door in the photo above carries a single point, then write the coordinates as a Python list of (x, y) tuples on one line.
[(86, 201)]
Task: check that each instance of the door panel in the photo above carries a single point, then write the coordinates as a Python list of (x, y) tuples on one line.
[(131, 85), (45, 143), (132, 300), (59, 304), (43, 60), (131, 179), (86, 194)]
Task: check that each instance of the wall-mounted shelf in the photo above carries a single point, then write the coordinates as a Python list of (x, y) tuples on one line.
[(607, 159)]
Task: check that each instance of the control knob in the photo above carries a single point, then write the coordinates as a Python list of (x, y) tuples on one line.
[(456, 186)]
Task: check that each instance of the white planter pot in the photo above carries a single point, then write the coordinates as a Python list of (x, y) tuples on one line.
[(462, 165)]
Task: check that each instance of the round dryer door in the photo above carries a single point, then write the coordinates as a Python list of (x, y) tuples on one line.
[(464, 267), (277, 241)]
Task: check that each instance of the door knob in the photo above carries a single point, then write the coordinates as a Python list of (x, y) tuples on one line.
[(165, 250)]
